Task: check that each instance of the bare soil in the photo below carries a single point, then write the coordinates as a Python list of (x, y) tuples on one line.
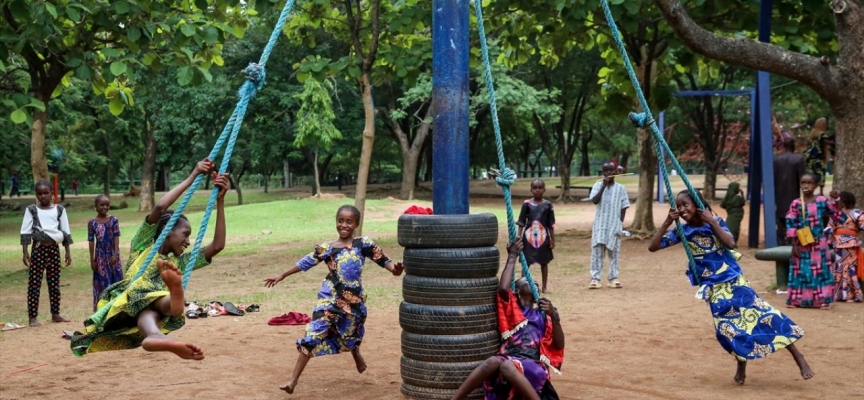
[(649, 340)]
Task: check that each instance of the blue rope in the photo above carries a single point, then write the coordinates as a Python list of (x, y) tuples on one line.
[(645, 120), (255, 75), (507, 176)]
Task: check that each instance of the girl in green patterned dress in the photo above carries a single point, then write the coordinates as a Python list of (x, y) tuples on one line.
[(141, 312), (746, 326)]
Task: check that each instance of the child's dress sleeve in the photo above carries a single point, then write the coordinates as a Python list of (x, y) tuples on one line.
[(722, 223), (115, 226), (669, 239), (312, 259), (523, 214), (373, 252), (625, 198), (200, 261), (595, 189), (63, 226), (551, 219), (27, 228), (91, 231), (793, 218)]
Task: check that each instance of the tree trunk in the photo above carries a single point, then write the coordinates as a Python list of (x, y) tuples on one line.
[(409, 172), (643, 221), (366, 151), (564, 173), (148, 198), (709, 188), (849, 164), (286, 174), (236, 183), (38, 161), (316, 186)]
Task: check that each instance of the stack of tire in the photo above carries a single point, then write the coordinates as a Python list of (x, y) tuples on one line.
[(448, 316)]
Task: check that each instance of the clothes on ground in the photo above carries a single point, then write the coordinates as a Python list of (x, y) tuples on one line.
[(109, 270), (788, 169), (339, 317), (746, 326), (734, 203), (114, 325), (43, 259), (418, 210), (538, 220), (848, 257), (290, 318), (527, 343), (811, 278)]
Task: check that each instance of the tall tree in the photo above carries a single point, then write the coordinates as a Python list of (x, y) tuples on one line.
[(839, 82), (98, 41), (314, 125)]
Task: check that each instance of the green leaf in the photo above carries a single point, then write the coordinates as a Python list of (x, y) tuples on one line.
[(185, 75), (18, 116), (83, 72), (110, 52), (188, 30), (118, 68), (51, 10), (604, 72), (133, 34), (201, 4), (37, 104), (206, 73), (116, 106), (121, 7), (73, 14)]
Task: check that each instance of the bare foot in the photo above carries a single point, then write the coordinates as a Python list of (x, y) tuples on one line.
[(358, 359), (289, 387), (806, 372), (34, 322), (825, 307), (174, 281), (545, 290), (186, 351), (59, 318), (741, 374)]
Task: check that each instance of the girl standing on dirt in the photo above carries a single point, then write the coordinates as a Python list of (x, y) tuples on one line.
[(532, 343), (734, 203), (46, 226), (538, 217), (811, 279), (338, 318), (141, 312), (746, 326), (103, 233), (849, 256)]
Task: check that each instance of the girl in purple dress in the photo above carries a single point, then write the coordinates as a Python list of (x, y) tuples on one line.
[(103, 233)]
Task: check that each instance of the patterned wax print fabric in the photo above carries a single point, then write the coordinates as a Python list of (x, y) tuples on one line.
[(811, 278), (848, 257), (538, 220), (523, 348), (108, 271), (714, 262), (44, 258), (338, 318), (607, 221), (114, 325), (746, 326), (815, 154)]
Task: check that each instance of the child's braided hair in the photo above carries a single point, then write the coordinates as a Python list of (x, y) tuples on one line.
[(163, 220)]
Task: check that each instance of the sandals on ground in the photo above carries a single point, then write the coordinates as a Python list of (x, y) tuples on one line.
[(595, 284), (615, 284)]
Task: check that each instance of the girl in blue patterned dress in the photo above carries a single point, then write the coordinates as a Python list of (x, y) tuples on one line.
[(103, 233), (338, 317), (746, 326)]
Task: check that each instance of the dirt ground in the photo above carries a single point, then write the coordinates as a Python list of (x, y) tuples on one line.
[(650, 340)]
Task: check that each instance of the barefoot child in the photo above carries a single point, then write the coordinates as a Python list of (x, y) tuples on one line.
[(103, 233), (538, 217), (46, 226), (612, 204), (141, 312), (811, 279), (531, 345), (746, 326), (338, 318)]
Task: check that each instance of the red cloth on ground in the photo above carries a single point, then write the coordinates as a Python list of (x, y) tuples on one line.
[(418, 210), (291, 318), (511, 319)]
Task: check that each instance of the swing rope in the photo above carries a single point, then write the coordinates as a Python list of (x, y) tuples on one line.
[(645, 120), (255, 75), (505, 176)]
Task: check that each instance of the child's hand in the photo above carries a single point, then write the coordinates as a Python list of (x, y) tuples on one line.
[(272, 281), (26, 260), (93, 264), (204, 166), (607, 180), (551, 244), (397, 269), (546, 306), (68, 259), (515, 247), (673, 215), (115, 258), (706, 216), (221, 181)]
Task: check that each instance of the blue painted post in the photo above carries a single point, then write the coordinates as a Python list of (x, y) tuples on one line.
[(450, 99), (763, 95), (660, 185)]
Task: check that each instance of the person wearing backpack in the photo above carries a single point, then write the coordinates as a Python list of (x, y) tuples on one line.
[(46, 226)]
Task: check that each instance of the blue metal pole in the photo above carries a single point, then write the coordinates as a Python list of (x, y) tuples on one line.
[(661, 119), (763, 95), (450, 99)]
